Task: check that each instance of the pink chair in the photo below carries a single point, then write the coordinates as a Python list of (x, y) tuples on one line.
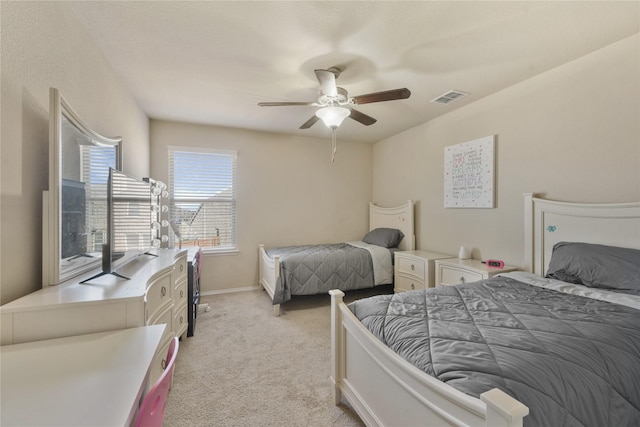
[(151, 412)]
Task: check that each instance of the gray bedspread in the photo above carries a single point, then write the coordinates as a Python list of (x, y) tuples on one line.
[(315, 269), (573, 361)]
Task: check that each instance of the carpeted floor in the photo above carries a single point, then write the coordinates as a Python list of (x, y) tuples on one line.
[(245, 367)]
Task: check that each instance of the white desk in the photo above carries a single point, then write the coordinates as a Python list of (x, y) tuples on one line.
[(83, 380)]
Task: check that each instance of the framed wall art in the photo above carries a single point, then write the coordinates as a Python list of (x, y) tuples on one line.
[(469, 174)]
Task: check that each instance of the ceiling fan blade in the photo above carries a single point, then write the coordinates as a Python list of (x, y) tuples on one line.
[(327, 81), (387, 95), (283, 104), (310, 122), (362, 118)]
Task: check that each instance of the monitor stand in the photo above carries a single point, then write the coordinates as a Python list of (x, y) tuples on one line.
[(104, 273), (106, 265)]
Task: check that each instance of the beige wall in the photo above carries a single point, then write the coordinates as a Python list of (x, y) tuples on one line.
[(288, 192), (44, 46), (572, 134)]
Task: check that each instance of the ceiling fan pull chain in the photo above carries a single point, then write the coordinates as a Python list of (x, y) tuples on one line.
[(333, 144)]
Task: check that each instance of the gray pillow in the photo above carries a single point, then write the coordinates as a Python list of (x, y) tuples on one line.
[(385, 237), (597, 266)]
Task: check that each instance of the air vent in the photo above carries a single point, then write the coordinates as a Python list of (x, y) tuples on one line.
[(448, 97)]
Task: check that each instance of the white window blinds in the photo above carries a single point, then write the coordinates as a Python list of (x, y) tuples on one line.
[(203, 197), (131, 214), (96, 161)]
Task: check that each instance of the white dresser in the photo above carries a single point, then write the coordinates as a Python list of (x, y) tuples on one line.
[(415, 270), (454, 271), (155, 294)]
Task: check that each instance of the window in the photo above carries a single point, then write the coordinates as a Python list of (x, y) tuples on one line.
[(203, 197)]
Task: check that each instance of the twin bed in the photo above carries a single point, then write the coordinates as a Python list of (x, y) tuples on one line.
[(316, 269), (556, 345)]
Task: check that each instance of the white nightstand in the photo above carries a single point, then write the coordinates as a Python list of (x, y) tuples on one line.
[(415, 270), (454, 271)]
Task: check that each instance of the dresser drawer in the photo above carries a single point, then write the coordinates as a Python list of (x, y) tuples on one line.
[(180, 320), (158, 294), (180, 293), (159, 363), (164, 317), (180, 269), (452, 276), (413, 266), (404, 283)]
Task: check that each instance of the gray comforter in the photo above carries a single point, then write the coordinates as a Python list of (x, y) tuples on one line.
[(573, 361), (310, 270)]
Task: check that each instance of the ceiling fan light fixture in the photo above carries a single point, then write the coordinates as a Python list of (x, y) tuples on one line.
[(333, 116)]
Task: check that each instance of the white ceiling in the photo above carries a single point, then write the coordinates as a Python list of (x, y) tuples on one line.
[(211, 62)]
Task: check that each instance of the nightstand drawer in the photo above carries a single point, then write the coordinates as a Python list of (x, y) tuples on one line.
[(455, 271), (453, 276), (412, 266), (404, 283), (414, 270)]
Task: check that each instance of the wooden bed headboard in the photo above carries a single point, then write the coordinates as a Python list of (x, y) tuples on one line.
[(548, 222), (399, 217)]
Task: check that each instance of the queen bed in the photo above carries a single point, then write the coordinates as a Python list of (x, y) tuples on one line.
[(558, 344), (315, 269)]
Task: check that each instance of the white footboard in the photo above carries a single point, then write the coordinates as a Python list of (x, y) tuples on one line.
[(386, 390), (269, 273)]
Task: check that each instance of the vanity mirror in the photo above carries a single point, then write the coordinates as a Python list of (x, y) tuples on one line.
[(75, 206)]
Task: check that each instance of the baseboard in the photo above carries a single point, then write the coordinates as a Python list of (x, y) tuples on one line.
[(229, 291)]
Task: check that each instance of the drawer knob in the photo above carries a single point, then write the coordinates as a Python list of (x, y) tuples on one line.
[(462, 279), (163, 364), (181, 267), (163, 291), (181, 293), (413, 267), (181, 320), (413, 286)]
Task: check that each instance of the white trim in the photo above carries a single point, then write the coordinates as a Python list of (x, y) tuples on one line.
[(174, 148), (230, 290)]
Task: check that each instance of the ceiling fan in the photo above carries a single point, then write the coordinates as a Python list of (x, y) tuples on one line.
[(336, 103)]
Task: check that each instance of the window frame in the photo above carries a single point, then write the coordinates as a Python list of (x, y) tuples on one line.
[(222, 250)]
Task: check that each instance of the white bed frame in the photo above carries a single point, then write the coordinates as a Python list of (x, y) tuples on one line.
[(399, 217), (386, 390)]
